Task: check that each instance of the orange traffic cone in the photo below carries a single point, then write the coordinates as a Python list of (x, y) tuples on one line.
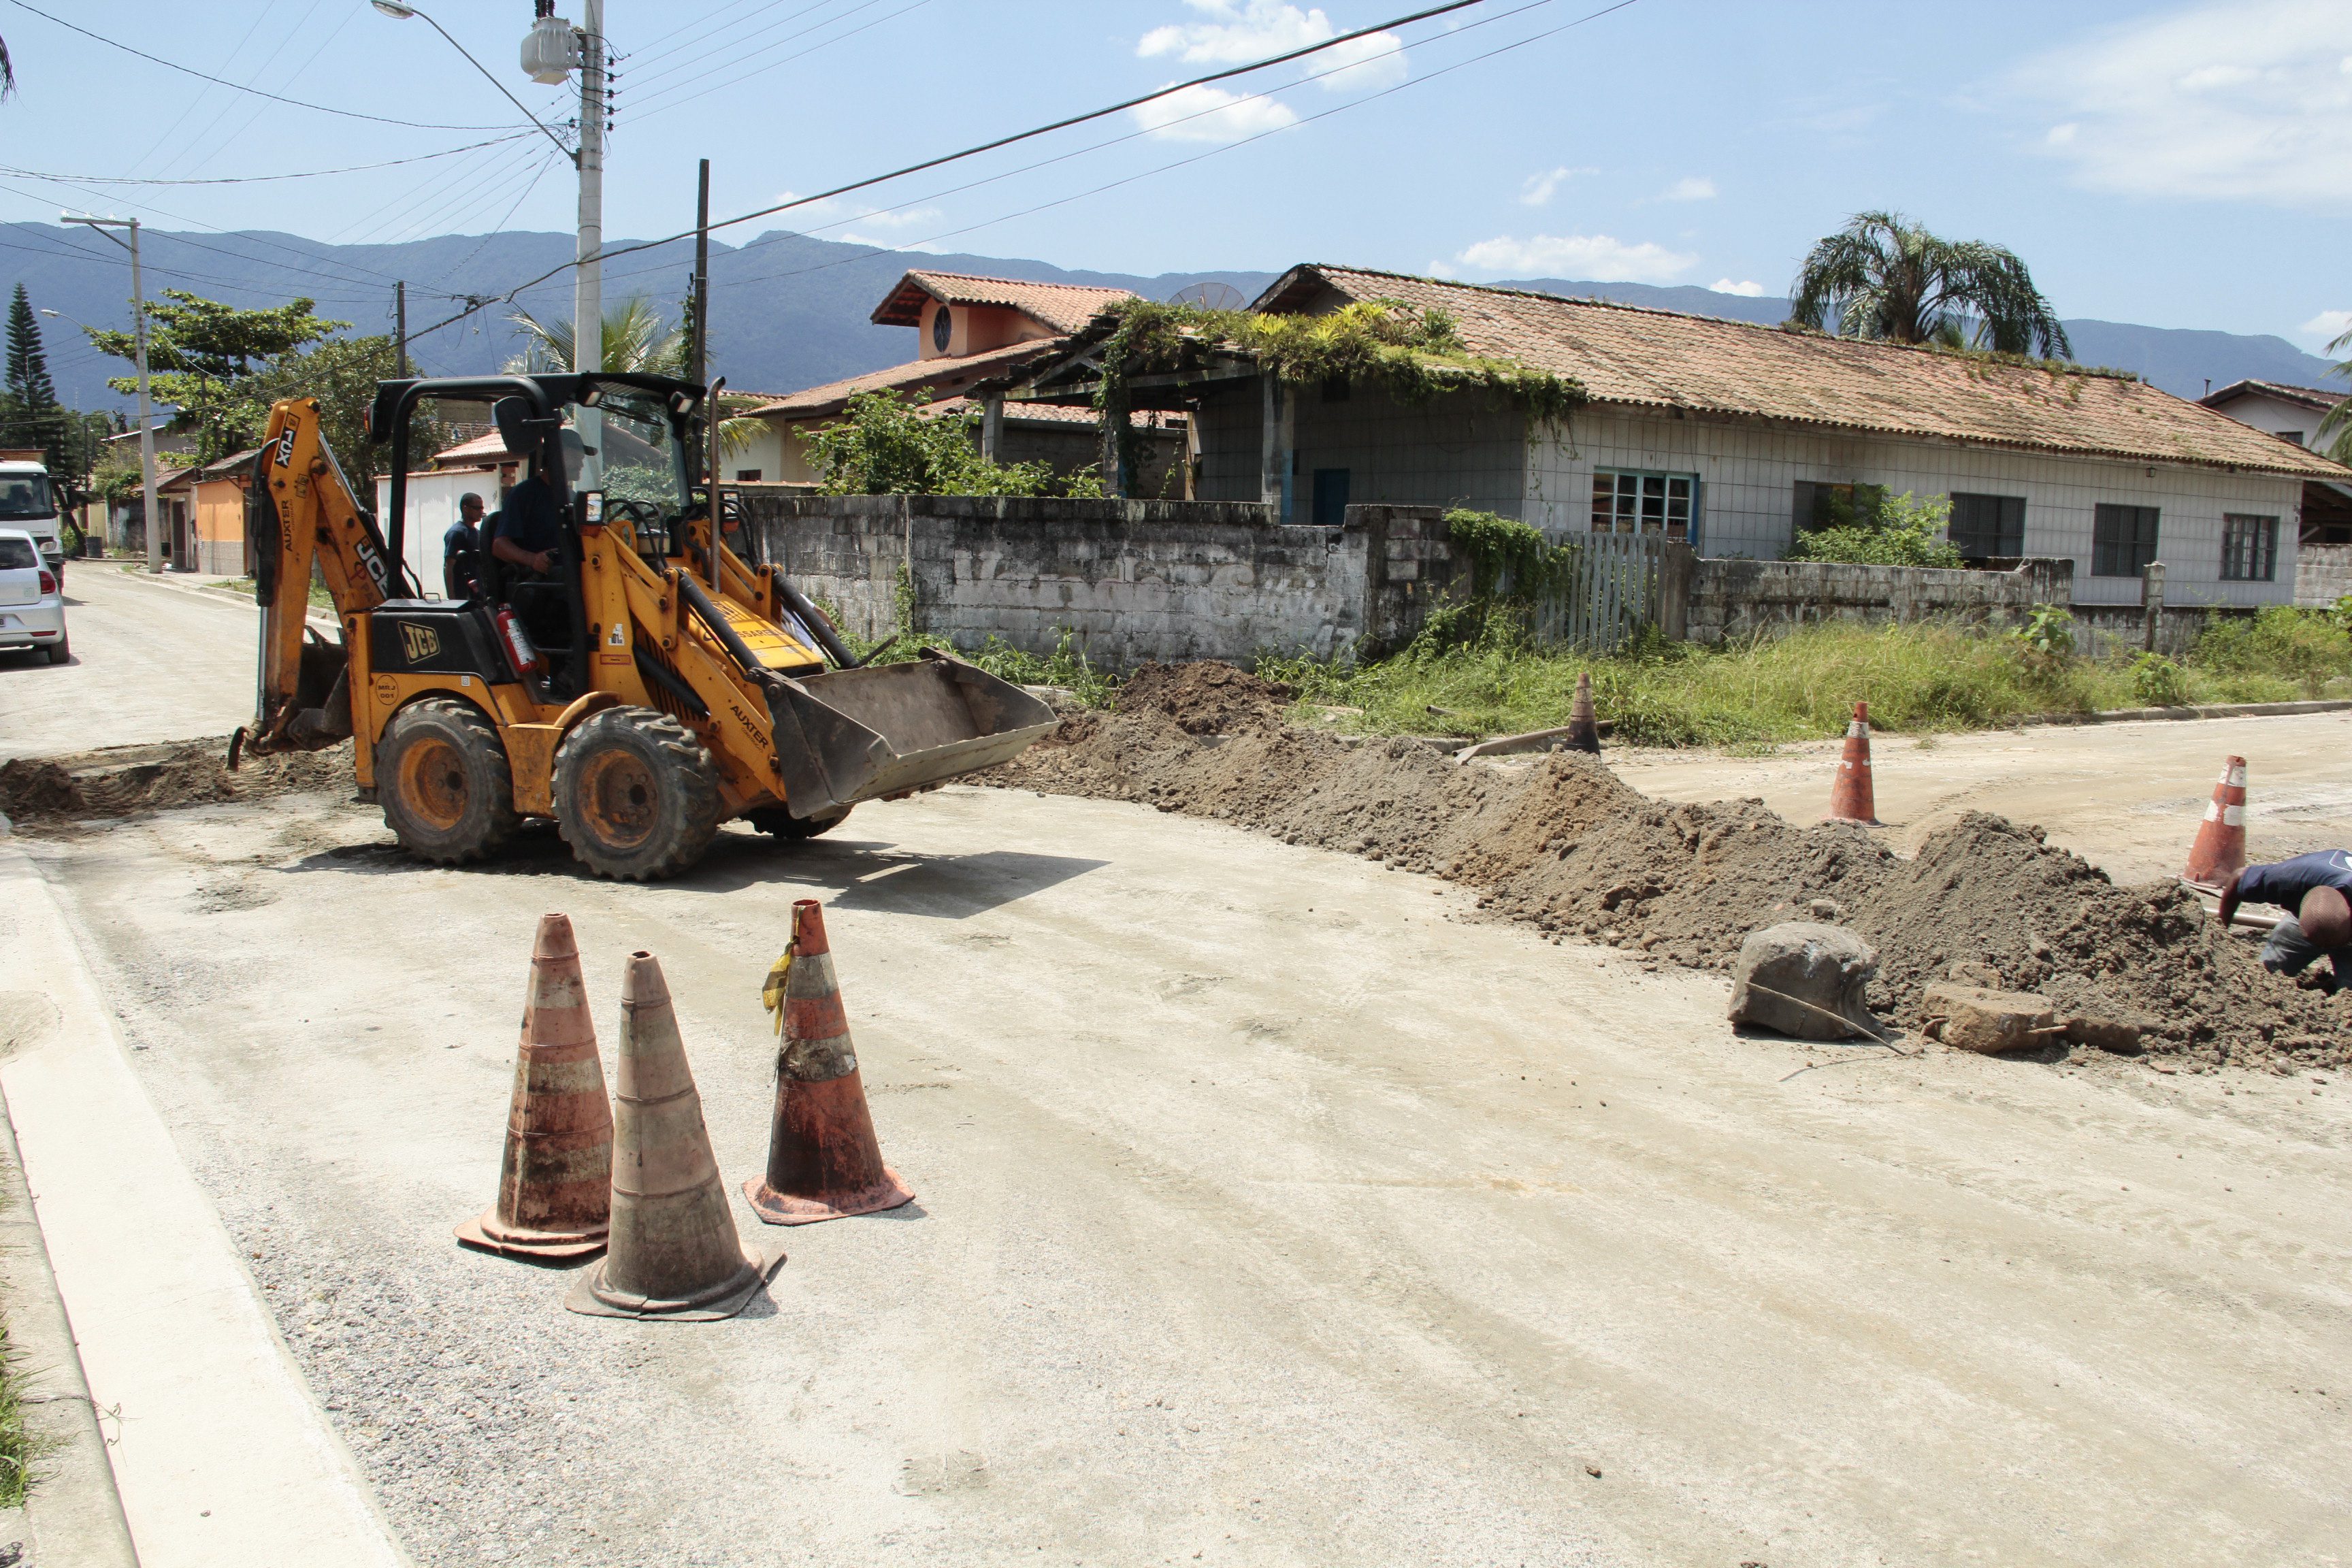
[(555, 1185), (674, 1254), (1851, 797), (822, 1160), (1583, 729), (2219, 852)]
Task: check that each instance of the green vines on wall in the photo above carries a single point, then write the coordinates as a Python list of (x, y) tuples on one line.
[(1413, 353)]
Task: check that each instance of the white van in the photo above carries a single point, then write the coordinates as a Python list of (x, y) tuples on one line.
[(29, 501)]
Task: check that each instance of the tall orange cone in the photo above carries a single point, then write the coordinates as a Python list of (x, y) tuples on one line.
[(2219, 852), (822, 1160), (674, 1254), (1583, 728), (1851, 798), (555, 1183)]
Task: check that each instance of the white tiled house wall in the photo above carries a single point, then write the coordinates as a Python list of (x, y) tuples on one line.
[(1748, 475)]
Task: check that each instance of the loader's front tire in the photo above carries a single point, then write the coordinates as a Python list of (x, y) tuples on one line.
[(777, 823), (442, 777), (636, 794)]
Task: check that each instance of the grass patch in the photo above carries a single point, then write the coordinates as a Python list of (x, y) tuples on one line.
[(18, 1448), (1921, 678)]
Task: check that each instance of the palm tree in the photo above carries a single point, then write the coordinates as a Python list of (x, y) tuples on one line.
[(7, 71), (635, 339), (1885, 276), (2334, 438)]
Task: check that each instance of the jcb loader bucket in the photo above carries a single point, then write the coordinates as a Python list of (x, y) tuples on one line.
[(861, 734)]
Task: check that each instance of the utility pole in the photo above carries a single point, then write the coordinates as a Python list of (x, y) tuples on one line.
[(588, 290), (139, 340), (698, 333), (399, 322)]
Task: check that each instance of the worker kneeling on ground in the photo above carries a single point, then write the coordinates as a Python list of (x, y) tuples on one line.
[(2317, 891)]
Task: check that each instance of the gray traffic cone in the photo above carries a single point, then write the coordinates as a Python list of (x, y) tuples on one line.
[(672, 1252)]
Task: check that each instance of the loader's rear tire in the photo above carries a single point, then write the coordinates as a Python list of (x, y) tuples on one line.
[(442, 777), (636, 794), (777, 823)]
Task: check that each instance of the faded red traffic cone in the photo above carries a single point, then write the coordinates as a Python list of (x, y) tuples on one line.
[(555, 1183), (674, 1254), (1583, 728), (1852, 799), (822, 1160), (2219, 852)]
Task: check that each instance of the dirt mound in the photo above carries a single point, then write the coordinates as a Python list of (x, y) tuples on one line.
[(37, 792), (1565, 847), (1205, 698)]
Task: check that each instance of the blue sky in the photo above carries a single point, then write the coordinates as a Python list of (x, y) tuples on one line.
[(2177, 165)]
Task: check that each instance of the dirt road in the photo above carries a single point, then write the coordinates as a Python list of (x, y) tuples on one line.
[(1269, 1212), (2126, 797), (150, 663)]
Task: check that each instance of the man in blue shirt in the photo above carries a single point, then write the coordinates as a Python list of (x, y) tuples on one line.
[(461, 548), (2315, 891)]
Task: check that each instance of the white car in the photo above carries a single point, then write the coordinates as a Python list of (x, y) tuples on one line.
[(32, 602)]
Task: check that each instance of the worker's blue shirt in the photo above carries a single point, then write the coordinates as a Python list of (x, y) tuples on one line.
[(461, 536), (2284, 882), (531, 516)]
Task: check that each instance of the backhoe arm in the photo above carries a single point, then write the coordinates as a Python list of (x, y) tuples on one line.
[(300, 515)]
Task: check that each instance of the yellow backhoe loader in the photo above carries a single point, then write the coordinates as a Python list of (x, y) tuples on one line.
[(649, 685)]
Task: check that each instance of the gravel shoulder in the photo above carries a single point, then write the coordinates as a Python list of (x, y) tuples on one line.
[(1272, 1207)]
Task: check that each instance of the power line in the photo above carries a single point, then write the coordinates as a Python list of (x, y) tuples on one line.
[(1007, 141), (643, 113), (641, 79), (263, 179), (219, 81)]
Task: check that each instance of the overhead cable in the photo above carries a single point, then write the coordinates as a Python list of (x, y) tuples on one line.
[(219, 81), (264, 179)]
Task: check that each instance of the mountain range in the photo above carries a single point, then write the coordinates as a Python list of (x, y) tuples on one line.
[(787, 311)]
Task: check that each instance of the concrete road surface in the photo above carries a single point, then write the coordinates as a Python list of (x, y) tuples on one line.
[(2128, 797), (1270, 1211), (150, 662)]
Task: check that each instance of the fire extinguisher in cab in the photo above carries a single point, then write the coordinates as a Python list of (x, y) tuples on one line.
[(520, 649)]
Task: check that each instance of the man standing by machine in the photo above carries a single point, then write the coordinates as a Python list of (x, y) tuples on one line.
[(461, 548)]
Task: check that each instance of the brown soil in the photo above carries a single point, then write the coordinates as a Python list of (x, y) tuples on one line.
[(38, 793), (1565, 846)]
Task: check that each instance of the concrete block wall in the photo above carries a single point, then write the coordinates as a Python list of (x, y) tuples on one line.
[(1130, 581), (2323, 574), (1749, 471), (1732, 600)]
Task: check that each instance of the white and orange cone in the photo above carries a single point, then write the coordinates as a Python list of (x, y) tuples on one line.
[(555, 1183), (1851, 798), (2219, 852)]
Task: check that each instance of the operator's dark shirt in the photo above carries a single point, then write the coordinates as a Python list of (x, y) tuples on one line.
[(531, 516), (2284, 882)]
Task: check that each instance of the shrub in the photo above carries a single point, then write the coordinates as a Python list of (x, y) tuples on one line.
[(1898, 530), (2306, 650), (884, 443), (2158, 682)]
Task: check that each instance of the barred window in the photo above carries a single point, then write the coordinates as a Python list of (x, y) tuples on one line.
[(2249, 548), (2123, 540), (1629, 502), (1987, 526)]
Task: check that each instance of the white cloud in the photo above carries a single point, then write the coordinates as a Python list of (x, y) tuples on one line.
[(1239, 31), (1692, 188), (2239, 99), (1725, 286), (1211, 114), (1594, 257), (2326, 326), (1538, 188)]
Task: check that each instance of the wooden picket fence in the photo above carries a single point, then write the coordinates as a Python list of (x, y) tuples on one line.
[(1618, 584)]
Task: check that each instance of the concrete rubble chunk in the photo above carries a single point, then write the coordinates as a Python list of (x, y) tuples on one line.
[(1805, 979), (1980, 1019)]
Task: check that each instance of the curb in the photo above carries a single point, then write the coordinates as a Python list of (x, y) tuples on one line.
[(2218, 711), (72, 1510), (222, 1454)]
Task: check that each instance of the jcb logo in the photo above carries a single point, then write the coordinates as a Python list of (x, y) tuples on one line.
[(420, 643)]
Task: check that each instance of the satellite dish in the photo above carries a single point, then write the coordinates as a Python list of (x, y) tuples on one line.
[(1209, 296)]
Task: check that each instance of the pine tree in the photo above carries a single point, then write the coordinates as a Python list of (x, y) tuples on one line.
[(27, 397)]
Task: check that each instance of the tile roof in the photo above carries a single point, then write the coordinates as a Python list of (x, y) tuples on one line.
[(948, 374), (1660, 358), (480, 451), (2319, 397), (1064, 306)]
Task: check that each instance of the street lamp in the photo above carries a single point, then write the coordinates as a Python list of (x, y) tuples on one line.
[(139, 340), (549, 52)]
